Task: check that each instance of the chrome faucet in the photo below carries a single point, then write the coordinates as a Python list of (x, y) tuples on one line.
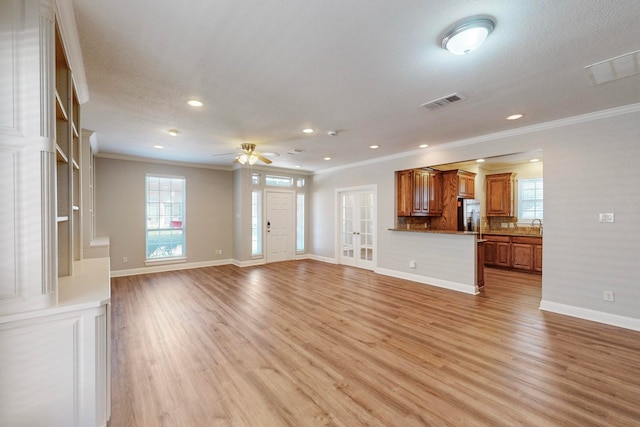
[(539, 221)]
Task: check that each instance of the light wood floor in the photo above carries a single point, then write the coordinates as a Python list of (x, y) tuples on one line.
[(312, 344)]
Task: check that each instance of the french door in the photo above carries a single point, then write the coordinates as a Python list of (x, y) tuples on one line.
[(357, 228)]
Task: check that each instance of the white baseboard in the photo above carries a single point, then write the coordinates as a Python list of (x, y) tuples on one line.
[(169, 267), (454, 286), (249, 263), (593, 315), (322, 258)]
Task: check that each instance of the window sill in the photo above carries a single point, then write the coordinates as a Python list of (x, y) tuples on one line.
[(164, 261)]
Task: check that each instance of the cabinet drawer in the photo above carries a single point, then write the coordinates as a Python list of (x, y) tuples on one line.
[(533, 240), (492, 238)]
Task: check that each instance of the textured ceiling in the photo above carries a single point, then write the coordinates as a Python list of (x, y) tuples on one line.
[(266, 69)]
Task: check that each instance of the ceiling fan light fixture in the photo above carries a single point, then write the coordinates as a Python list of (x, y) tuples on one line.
[(467, 36), (242, 158), (252, 159)]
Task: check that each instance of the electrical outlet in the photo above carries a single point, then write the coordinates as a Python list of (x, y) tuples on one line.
[(125, 260), (412, 264), (606, 217), (218, 251), (608, 296)]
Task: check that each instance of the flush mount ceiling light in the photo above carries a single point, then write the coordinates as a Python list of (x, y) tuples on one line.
[(423, 145), (374, 147), (308, 130), (195, 103), (467, 36), (173, 132)]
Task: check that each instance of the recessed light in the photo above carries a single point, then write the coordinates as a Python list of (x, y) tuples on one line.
[(423, 145), (158, 147), (515, 116), (373, 147), (534, 160), (308, 130), (327, 158), (298, 166), (479, 160), (173, 132), (195, 103)]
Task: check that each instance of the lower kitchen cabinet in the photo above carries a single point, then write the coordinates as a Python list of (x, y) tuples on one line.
[(522, 256), (537, 257), (516, 252), (480, 265), (497, 251)]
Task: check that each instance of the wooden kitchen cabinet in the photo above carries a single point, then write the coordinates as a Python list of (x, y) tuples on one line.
[(497, 251), (462, 183), (537, 257), (522, 256), (404, 180), (516, 252), (503, 254), (499, 194), (419, 193), (466, 185), (480, 264)]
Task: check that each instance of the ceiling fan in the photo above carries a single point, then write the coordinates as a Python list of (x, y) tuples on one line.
[(248, 155)]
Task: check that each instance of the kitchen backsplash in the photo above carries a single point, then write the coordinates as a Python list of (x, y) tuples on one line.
[(507, 225)]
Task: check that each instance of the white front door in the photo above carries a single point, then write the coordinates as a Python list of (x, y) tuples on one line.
[(280, 226), (357, 225)]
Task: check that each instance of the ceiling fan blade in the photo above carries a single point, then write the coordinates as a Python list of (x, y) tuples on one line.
[(223, 154), (263, 159)]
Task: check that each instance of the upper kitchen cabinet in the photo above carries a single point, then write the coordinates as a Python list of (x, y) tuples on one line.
[(499, 194), (419, 192), (462, 182)]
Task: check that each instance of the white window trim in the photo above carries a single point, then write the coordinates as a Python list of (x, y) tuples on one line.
[(524, 222), (166, 260)]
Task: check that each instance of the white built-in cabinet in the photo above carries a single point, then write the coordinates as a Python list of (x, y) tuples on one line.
[(54, 298)]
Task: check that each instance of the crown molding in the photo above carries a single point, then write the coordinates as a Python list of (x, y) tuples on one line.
[(161, 162), (568, 121)]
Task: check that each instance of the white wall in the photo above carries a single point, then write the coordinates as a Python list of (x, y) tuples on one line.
[(120, 205), (589, 167)]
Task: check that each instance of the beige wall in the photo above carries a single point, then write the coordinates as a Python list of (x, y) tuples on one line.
[(120, 207)]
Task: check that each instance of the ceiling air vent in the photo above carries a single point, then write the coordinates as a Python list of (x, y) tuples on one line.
[(443, 102), (295, 151), (614, 68)]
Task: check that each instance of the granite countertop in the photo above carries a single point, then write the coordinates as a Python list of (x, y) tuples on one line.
[(427, 230), (503, 233)]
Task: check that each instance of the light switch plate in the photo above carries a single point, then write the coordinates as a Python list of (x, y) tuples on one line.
[(606, 217)]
